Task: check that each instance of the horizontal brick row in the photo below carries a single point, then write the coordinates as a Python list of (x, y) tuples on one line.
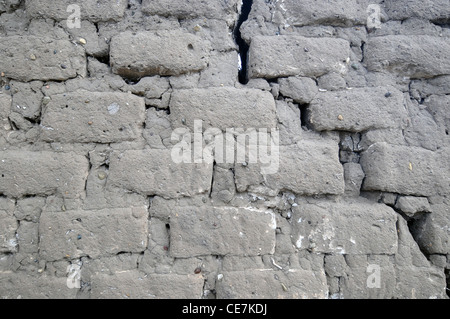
[(93, 10), (101, 117), (175, 52), (27, 58), (350, 227), (154, 172), (73, 234), (358, 109), (411, 170), (281, 56), (42, 173)]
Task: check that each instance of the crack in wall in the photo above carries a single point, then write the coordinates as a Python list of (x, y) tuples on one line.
[(242, 45)]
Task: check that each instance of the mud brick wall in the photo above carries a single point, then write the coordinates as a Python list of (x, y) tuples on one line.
[(99, 98)]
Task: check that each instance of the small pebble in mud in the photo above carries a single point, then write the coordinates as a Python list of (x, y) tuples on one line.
[(101, 175)]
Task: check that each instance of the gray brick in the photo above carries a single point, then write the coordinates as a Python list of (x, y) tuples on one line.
[(420, 283), (42, 173), (437, 10), (358, 109), (212, 9), (92, 233), (223, 108), (270, 284), (5, 107), (354, 283), (309, 167), (311, 12), (135, 55), (281, 56), (27, 58), (136, 285), (416, 56), (301, 89), (411, 205), (405, 170), (8, 228), (432, 232), (83, 117), (153, 172), (19, 285), (95, 11), (353, 227), (198, 231)]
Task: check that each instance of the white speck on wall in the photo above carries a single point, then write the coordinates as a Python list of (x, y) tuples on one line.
[(273, 221), (113, 108), (12, 243), (298, 243)]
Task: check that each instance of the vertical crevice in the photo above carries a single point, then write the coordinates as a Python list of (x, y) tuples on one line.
[(447, 277), (243, 46), (304, 116), (362, 51)]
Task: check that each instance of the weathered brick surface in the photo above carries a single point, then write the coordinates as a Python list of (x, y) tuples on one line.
[(433, 235), (221, 231), (157, 53), (355, 278), (435, 10), (335, 12), (153, 172), (244, 108), (5, 126), (28, 58), (358, 109), (136, 285), (83, 116), (416, 56), (412, 170), (308, 167), (281, 56), (353, 227), (8, 228), (22, 286), (73, 234), (42, 173), (439, 108), (95, 11), (213, 9), (270, 284), (301, 89)]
